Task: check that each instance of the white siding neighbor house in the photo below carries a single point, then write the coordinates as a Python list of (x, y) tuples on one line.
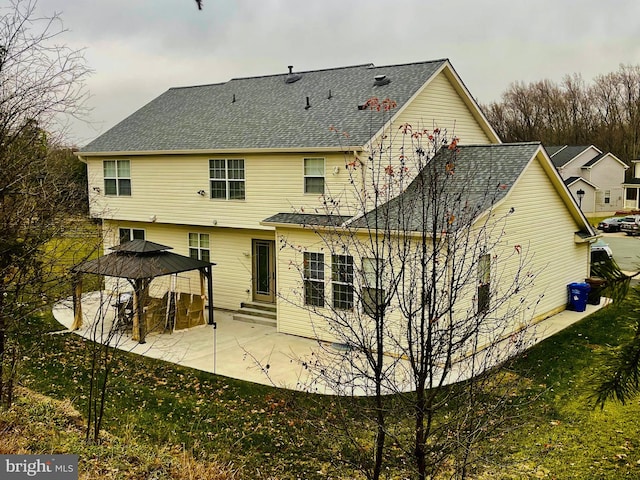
[(632, 188), (225, 172), (594, 178)]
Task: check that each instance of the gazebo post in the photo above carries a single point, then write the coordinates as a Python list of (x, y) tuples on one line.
[(208, 271), (77, 302), (139, 332)]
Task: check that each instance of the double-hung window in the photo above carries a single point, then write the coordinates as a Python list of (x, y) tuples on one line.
[(128, 234), (484, 283), (373, 295), (117, 177), (342, 281), (199, 246), (314, 175), (313, 269), (226, 178)]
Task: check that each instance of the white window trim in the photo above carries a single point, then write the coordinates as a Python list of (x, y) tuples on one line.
[(117, 178), (227, 181), (199, 248), (131, 229), (314, 280), (342, 283), (305, 176)]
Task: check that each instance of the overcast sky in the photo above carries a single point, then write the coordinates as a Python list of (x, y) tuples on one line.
[(138, 49)]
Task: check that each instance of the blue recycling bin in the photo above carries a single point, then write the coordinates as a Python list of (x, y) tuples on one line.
[(578, 295)]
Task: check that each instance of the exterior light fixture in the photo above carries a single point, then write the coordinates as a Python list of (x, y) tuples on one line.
[(202, 193), (580, 194)]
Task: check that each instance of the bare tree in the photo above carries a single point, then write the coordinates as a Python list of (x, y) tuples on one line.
[(39, 80), (423, 294), (604, 113)]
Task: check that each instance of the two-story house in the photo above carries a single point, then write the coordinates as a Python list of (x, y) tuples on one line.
[(594, 178), (206, 170), (632, 188)]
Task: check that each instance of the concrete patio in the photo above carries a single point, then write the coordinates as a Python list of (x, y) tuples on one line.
[(259, 354)]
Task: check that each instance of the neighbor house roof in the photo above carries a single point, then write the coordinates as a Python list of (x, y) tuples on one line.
[(564, 154), (270, 111), (571, 180)]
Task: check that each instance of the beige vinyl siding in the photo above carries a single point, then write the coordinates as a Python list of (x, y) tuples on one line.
[(230, 250), (439, 105), (293, 317), (541, 227), (166, 187)]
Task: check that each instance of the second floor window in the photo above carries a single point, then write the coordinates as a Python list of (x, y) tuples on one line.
[(226, 177), (314, 175), (117, 177), (199, 246)]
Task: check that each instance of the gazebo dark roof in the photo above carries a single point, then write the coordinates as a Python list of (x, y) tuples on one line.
[(140, 259)]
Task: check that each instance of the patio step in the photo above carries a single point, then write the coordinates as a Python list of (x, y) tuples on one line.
[(256, 312)]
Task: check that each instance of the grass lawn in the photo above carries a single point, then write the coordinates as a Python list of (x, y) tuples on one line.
[(267, 433)]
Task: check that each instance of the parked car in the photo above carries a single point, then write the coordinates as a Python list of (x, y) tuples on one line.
[(610, 224), (630, 225), (600, 255), (600, 251)]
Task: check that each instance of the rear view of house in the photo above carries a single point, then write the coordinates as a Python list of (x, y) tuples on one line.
[(201, 168)]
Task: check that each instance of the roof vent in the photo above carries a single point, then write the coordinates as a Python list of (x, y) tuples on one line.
[(380, 80), (292, 77)]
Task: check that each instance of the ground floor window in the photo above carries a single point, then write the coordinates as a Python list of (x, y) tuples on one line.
[(372, 294), (128, 234), (313, 279), (342, 281), (484, 283), (199, 246)]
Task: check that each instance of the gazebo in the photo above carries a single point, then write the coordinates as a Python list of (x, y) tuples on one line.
[(140, 261)]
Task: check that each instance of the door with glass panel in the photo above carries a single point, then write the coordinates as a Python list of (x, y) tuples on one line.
[(264, 271)]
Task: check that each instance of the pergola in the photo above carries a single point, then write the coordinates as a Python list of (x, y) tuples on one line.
[(140, 261)]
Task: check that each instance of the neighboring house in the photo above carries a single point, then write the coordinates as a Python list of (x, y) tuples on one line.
[(632, 188), (201, 169), (600, 176)]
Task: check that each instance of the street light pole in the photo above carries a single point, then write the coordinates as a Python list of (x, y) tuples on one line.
[(580, 194)]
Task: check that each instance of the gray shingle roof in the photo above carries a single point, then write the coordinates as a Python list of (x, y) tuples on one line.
[(571, 180), (565, 155), (267, 111), (482, 175), (305, 219), (594, 160)]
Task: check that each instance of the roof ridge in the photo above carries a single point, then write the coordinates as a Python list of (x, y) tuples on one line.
[(497, 145), (369, 65), (304, 71), (409, 63)]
